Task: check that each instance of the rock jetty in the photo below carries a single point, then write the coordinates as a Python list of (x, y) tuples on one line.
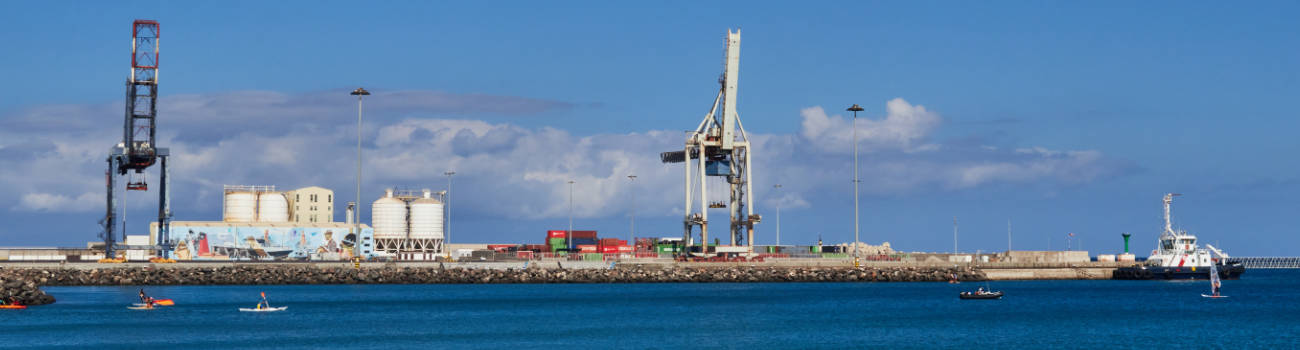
[(22, 282), (24, 291)]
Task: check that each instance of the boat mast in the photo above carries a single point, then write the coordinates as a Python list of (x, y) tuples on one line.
[(1169, 229)]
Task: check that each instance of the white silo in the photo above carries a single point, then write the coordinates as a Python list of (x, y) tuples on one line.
[(240, 206), (272, 207), (388, 216), (426, 222)]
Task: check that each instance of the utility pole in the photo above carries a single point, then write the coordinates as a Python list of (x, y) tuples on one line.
[(855, 109), (778, 215), (447, 239), (569, 236), (360, 93), (1008, 236), (631, 235)]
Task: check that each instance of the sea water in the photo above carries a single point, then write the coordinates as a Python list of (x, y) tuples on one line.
[(1262, 311)]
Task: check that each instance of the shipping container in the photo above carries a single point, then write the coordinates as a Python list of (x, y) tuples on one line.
[(625, 249), (585, 241), (555, 234)]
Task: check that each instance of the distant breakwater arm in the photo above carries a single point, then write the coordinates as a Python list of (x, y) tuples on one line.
[(390, 274)]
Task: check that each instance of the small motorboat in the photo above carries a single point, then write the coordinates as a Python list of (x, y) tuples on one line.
[(981, 295)]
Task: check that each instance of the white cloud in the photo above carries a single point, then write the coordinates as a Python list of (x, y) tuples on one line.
[(905, 127), (51, 202)]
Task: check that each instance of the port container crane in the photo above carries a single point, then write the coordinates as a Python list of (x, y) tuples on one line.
[(720, 149), (138, 150)]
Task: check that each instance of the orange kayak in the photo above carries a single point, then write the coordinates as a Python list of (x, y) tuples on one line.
[(13, 306)]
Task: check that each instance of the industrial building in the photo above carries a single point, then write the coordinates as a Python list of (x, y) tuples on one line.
[(408, 224), (311, 204)]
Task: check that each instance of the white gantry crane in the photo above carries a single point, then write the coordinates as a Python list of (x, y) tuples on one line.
[(719, 149)]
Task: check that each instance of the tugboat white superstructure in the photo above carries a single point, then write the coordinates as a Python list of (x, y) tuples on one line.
[(1177, 256)]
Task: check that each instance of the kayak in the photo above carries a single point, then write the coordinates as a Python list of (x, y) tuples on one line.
[(268, 309), (163, 302), (14, 307)]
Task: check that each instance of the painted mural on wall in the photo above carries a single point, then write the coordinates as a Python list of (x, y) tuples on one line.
[(264, 243)]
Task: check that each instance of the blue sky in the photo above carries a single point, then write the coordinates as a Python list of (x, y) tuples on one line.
[(1062, 117)]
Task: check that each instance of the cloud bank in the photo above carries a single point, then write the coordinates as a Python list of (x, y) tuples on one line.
[(52, 157)]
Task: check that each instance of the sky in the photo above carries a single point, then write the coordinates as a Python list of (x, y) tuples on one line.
[(1038, 118)]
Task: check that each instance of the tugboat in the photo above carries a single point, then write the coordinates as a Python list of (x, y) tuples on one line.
[(1179, 257)]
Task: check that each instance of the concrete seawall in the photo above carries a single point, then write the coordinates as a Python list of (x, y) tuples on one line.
[(1024, 274)]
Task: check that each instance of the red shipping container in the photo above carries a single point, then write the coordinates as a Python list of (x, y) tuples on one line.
[(555, 234), (609, 249), (587, 248), (584, 234), (625, 249)]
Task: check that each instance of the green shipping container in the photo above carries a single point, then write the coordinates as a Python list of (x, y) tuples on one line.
[(555, 240), (593, 256)]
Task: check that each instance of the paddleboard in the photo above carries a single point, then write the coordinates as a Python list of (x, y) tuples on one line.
[(269, 309), (1214, 297), (139, 308)]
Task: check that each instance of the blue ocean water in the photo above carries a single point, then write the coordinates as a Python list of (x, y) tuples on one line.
[(1263, 311)]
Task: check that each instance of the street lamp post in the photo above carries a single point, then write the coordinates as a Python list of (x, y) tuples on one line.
[(855, 109), (778, 216), (631, 235), (569, 236), (360, 93), (447, 239)]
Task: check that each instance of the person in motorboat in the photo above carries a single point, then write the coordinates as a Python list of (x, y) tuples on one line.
[(980, 291)]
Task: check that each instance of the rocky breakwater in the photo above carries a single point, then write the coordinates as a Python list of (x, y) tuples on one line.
[(396, 274), (23, 291)]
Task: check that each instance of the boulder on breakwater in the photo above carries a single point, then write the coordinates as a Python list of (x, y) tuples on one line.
[(23, 291), (254, 274)]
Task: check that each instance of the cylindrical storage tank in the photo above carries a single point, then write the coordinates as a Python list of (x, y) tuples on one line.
[(272, 207), (240, 206), (426, 217), (388, 216)]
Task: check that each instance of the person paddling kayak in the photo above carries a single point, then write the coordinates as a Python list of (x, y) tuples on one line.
[(145, 299), (263, 304)]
